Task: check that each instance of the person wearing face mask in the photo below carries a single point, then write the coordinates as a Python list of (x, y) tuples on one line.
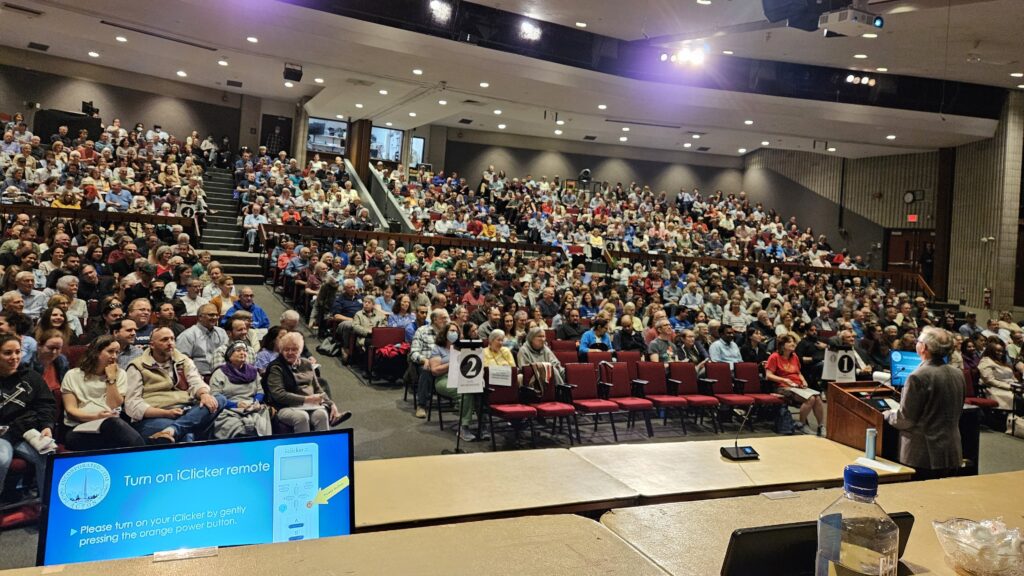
[(627, 338), (475, 297), (725, 349), (437, 365)]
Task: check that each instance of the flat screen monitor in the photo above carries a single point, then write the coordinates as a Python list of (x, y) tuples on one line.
[(328, 136), (134, 502), (901, 364), (386, 144)]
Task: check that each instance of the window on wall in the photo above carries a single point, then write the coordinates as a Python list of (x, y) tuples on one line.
[(386, 144), (328, 136), (416, 153)]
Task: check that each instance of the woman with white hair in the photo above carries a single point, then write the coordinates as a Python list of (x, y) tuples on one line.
[(295, 390), (496, 353), (928, 417)]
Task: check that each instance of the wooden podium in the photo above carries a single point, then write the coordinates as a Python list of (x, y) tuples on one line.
[(849, 417)]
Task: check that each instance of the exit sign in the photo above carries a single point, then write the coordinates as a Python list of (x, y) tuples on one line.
[(911, 217)]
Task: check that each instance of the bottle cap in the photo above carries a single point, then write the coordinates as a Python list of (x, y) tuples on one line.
[(860, 480)]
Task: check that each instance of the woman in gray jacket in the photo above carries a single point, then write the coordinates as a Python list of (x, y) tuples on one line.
[(239, 382), (929, 414)]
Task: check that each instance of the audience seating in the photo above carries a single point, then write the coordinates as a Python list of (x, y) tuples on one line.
[(503, 403), (657, 390), (626, 393), (555, 404), (719, 375), (587, 399), (683, 375), (379, 338)]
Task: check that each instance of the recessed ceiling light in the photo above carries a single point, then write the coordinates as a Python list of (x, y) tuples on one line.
[(359, 105), (696, 136), (1021, 86), (387, 124), (318, 80), (766, 143), (442, 102), (120, 38), (860, 56), (890, 137), (417, 71), (625, 128), (728, 52), (869, 35), (497, 112), (94, 54), (181, 73), (704, 2), (412, 114), (485, 84), (560, 122), (882, 69), (222, 62), (748, 122), (253, 39), (742, 150), (687, 145), (581, 24), (501, 126), (288, 85), (558, 132), (1017, 74), (339, 116), (382, 92), (623, 138), (602, 107), (831, 149)]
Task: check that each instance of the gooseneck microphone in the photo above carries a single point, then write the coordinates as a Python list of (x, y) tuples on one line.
[(737, 452)]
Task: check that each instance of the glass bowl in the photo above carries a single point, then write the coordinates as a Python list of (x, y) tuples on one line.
[(972, 547)]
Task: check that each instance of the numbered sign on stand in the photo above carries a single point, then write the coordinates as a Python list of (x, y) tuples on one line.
[(466, 371), (840, 366)]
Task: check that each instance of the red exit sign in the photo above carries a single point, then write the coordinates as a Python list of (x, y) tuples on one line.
[(911, 217)]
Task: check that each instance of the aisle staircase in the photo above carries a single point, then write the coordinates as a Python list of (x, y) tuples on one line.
[(222, 235)]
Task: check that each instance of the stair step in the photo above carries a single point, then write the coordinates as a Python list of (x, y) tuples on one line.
[(236, 257)]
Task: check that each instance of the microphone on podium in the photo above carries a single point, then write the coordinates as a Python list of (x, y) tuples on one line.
[(737, 452)]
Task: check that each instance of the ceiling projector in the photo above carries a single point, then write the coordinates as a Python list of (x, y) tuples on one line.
[(850, 22)]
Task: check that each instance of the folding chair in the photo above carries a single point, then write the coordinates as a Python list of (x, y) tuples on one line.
[(657, 390), (628, 394), (683, 376), (503, 402), (379, 338), (582, 378), (719, 376), (551, 405)]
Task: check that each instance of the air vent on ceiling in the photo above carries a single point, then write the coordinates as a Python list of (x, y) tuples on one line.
[(590, 138), (234, 83), (634, 123), (358, 82), (472, 102), (30, 12), (703, 149), (159, 35), (465, 121), (38, 46)]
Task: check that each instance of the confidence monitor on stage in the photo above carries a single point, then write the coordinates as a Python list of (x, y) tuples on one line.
[(901, 364), (135, 502)]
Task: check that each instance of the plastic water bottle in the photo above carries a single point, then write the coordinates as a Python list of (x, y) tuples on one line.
[(855, 536)]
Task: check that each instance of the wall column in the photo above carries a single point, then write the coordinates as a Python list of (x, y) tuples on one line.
[(359, 147), (943, 222), (986, 205)]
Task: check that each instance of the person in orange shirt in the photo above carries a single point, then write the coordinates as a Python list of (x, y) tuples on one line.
[(287, 253)]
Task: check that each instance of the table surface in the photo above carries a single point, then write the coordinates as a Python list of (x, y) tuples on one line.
[(549, 545), (696, 470), (691, 538), (405, 491)]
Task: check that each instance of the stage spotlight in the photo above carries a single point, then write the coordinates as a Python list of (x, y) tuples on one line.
[(850, 79), (664, 57)]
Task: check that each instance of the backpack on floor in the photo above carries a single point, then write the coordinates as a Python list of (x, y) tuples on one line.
[(784, 423), (329, 347)]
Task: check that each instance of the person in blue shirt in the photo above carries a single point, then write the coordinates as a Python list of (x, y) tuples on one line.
[(296, 265), (421, 320), (596, 338), (118, 197), (246, 302), (725, 349), (588, 309)]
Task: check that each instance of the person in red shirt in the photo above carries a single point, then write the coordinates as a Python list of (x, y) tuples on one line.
[(783, 369), (291, 216)]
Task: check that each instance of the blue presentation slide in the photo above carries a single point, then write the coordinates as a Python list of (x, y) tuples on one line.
[(122, 504), (901, 365)]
